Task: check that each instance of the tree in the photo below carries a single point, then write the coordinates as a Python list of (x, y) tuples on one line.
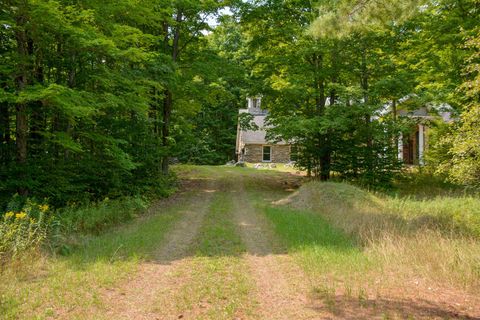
[(464, 165), (323, 92)]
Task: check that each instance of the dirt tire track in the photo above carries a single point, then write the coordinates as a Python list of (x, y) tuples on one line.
[(136, 298), (278, 297)]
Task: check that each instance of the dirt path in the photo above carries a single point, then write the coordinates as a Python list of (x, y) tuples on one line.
[(136, 298), (281, 287)]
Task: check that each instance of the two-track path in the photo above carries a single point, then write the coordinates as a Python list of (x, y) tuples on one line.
[(280, 286), (280, 290)]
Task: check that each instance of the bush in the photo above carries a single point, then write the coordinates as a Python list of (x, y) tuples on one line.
[(24, 229), (27, 225), (96, 217)]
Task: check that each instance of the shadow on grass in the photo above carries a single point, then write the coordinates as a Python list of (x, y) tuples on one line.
[(328, 252), (345, 307), (209, 233), (217, 237)]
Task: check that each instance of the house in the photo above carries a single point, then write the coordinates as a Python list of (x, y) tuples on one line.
[(252, 145), (412, 146)]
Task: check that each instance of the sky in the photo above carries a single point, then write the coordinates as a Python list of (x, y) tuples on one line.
[(212, 20)]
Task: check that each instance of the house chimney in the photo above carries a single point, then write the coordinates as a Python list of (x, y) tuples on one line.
[(255, 105)]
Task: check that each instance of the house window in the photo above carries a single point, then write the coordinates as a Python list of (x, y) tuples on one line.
[(256, 103), (267, 153)]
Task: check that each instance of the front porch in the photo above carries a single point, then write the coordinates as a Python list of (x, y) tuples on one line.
[(411, 147)]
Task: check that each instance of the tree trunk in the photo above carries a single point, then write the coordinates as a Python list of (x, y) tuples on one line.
[(5, 138), (364, 83), (322, 152), (394, 110), (21, 133), (325, 162), (21, 108), (4, 123), (167, 110), (37, 121), (396, 136), (168, 99)]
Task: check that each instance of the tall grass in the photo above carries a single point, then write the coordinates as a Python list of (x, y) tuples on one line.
[(436, 240), (44, 286), (367, 215), (95, 217)]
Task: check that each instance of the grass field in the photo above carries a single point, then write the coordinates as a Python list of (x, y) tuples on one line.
[(43, 286), (240, 243), (356, 244)]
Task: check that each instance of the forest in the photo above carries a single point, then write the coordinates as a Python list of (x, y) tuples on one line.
[(123, 195), (98, 98)]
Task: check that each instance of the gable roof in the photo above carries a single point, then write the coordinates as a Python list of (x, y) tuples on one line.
[(255, 136)]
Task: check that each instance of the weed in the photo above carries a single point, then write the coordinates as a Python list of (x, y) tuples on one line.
[(362, 297), (24, 229)]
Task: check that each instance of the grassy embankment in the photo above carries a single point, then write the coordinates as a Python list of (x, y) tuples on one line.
[(353, 243)]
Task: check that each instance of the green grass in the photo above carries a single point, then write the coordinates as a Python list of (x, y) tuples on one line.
[(329, 226), (96, 217), (357, 247), (422, 184), (218, 235), (351, 243), (319, 247), (32, 289), (219, 287), (366, 214)]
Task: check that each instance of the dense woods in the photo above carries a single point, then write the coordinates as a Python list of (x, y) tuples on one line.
[(97, 98)]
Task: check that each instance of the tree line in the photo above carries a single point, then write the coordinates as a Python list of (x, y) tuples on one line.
[(335, 74), (98, 97)]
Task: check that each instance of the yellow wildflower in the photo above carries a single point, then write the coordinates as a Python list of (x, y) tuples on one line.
[(44, 207), (20, 215), (9, 214)]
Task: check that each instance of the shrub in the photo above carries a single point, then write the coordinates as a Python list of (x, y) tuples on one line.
[(96, 217), (23, 229)]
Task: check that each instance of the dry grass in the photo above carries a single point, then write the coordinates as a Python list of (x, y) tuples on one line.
[(435, 239), (374, 250)]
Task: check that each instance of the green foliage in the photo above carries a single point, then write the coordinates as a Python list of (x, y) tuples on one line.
[(95, 97), (95, 218), (24, 227), (324, 95), (207, 134), (107, 92), (347, 16), (465, 142), (245, 122)]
